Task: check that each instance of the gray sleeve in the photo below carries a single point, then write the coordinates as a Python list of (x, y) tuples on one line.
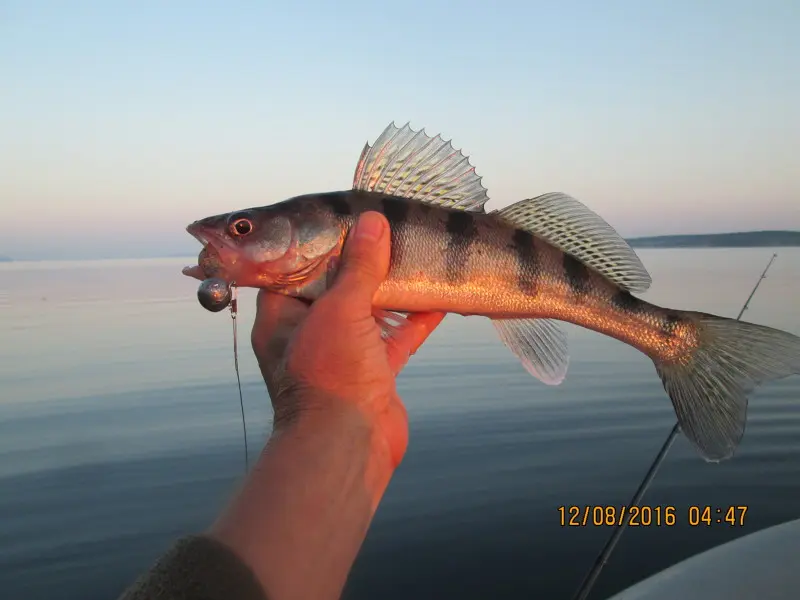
[(197, 568)]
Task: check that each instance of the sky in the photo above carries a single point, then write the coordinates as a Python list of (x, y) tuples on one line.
[(122, 122)]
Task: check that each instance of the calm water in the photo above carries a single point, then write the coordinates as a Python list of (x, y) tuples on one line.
[(120, 430)]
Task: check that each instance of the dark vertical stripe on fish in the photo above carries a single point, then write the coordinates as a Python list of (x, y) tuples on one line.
[(396, 212), (623, 301), (577, 275), (670, 323), (522, 243), (337, 202), (462, 232)]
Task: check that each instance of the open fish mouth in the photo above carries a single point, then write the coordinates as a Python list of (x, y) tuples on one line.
[(203, 235), (209, 261)]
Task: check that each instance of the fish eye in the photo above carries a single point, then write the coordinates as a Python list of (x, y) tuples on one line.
[(241, 227)]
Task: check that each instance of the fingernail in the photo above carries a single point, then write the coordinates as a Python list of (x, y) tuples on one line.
[(370, 227)]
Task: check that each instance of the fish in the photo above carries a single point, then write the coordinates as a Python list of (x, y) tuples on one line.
[(528, 267)]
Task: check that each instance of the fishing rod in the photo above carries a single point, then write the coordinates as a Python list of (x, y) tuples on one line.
[(605, 553)]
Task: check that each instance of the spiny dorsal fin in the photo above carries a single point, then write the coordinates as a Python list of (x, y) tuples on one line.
[(575, 229), (413, 165)]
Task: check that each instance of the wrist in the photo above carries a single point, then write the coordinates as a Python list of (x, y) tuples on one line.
[(379, 422), (304, 510), (336, 424)]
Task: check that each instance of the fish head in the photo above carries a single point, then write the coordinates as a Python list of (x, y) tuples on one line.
[(287, 247)]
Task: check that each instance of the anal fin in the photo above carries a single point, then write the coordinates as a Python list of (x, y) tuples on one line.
[(539, 344)]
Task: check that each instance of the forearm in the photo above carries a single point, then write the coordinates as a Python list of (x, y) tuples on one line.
[(302, 515)]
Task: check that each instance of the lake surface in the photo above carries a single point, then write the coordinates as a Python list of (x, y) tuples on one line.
[(120, 430)]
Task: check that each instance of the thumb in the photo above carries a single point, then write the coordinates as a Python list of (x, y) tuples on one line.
[(364, 263)]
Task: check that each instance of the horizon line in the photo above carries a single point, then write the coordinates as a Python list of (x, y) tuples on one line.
[(5, 258)]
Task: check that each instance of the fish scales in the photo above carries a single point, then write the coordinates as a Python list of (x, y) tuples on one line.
[(449, 260)]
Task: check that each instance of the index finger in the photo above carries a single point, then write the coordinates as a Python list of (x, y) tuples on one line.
[(277, 316)]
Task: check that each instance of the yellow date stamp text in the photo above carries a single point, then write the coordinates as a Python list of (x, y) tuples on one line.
[(609, 515)]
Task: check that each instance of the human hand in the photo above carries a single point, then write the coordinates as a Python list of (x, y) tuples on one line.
[(331, 355)]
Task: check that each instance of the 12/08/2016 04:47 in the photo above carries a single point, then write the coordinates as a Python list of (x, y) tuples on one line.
[(648, 516)]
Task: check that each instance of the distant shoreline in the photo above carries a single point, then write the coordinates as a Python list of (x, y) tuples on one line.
[(741, 239)]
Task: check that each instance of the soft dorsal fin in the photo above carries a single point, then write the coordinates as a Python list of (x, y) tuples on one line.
[(413, 165), (572, 227)]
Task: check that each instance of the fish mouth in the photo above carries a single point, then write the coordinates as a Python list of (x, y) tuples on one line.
[(210, 259), (202, 234)]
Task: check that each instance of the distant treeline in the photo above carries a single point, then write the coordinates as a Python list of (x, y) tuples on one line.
[(742, 239)]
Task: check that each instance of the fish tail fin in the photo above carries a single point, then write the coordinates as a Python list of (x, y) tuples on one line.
[(709, 386)]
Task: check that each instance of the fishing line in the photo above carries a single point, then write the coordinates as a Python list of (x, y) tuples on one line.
[(234, 311), (605, 553)]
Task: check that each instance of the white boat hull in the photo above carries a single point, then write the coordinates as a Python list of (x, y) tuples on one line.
[(764, 565)]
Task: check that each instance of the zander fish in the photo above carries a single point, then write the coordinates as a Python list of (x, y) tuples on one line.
[(525, 267)]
